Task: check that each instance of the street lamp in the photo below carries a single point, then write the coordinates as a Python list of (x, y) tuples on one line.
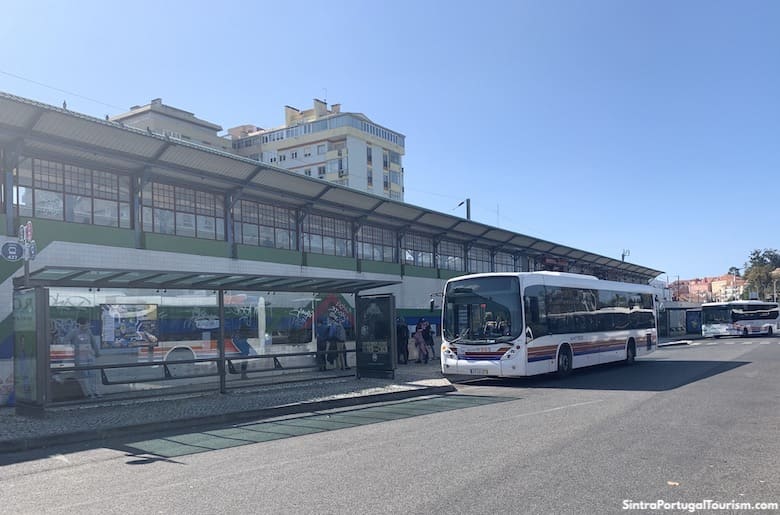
[(468, 207)]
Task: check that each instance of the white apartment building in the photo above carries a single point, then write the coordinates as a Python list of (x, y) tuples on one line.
[(158, 118), (345, 148)]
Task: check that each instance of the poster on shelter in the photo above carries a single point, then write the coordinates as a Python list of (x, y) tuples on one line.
[(129, 325), (25, 348)]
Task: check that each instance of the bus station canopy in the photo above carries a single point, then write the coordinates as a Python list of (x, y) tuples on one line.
[(75, 277), (39, 129)]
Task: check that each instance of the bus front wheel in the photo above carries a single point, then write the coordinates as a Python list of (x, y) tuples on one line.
[(631, 353), (564, 361)]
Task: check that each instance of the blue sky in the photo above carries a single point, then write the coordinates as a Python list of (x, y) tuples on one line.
[(603, 125)]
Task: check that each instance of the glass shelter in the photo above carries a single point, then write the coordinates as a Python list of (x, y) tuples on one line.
[(84, 333)]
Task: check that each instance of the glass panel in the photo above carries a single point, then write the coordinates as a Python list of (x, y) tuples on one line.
[(48, 204), (78, 209), (124, 215), (163, 221), (185, 224), (105, 212), (206, 227)]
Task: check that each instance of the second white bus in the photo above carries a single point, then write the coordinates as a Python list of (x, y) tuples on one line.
[(739, 318), (527, 323)]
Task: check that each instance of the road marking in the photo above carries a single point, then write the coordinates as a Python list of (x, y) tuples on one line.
[(695, 343), (713, 343), (558, 408), (747, 343), (62, 458)]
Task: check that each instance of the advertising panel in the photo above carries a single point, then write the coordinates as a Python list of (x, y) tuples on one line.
[(25, 348), (375, 343), (129, 325)]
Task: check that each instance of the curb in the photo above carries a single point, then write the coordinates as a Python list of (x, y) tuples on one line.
[(39, 442)]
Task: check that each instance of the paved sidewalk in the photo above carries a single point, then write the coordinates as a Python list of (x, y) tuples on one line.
[(93, 422)]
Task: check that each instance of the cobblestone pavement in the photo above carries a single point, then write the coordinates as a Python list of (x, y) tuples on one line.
[(315, 391)]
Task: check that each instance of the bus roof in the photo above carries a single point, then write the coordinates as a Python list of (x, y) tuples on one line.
[(563, 279), (738, 303)]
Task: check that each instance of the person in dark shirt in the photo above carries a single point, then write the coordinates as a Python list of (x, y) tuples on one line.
[(402, 340)]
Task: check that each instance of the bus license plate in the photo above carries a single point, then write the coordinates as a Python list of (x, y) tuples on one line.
[(478, 371)]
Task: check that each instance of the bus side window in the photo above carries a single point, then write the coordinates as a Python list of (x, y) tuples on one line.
[(535, 313)]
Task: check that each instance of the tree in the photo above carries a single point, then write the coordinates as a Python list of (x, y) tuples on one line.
[(758, 271), (734, 271)]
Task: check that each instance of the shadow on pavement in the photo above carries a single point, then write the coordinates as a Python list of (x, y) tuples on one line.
[(653, 376)]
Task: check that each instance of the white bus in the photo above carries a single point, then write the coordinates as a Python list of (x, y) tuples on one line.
[(739, 318), (527, 323)]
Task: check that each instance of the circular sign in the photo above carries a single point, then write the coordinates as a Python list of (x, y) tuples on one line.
[(12, 251)]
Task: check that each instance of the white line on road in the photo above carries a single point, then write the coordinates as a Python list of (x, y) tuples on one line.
[(62, 458), (550, 410)]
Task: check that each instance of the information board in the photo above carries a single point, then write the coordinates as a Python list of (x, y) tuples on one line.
[(375, 343)]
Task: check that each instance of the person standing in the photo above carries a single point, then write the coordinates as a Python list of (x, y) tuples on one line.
[(322, 342), (427, 335), (84, 353), (338, 338), (419, 343), (402, 340)]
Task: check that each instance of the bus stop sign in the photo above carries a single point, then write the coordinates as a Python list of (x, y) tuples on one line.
[(12, 251)]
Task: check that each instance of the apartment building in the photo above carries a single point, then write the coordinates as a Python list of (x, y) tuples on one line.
[(344, 148), (172, 122), (708, 289)]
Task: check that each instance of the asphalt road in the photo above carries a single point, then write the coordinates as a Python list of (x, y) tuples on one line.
[(687, 424)]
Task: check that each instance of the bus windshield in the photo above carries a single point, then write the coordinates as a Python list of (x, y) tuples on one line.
[(482, 309), (715, 315)]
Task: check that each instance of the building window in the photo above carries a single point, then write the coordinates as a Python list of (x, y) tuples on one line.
[(417, 250), (294, 154), (264, 225), (376, 244), (370, 177), (369, 159), (307, 172), (451, 256), (321, 149), (306, 151), (327, 235), (182, 211), (504, 262), (479, 260), (57, 191), (321, 171)]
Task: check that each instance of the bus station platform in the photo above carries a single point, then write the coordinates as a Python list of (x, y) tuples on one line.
[(312, 392)]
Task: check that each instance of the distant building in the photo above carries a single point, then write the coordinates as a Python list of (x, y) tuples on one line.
[(345, 148), (708, 289), (158, 118)]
